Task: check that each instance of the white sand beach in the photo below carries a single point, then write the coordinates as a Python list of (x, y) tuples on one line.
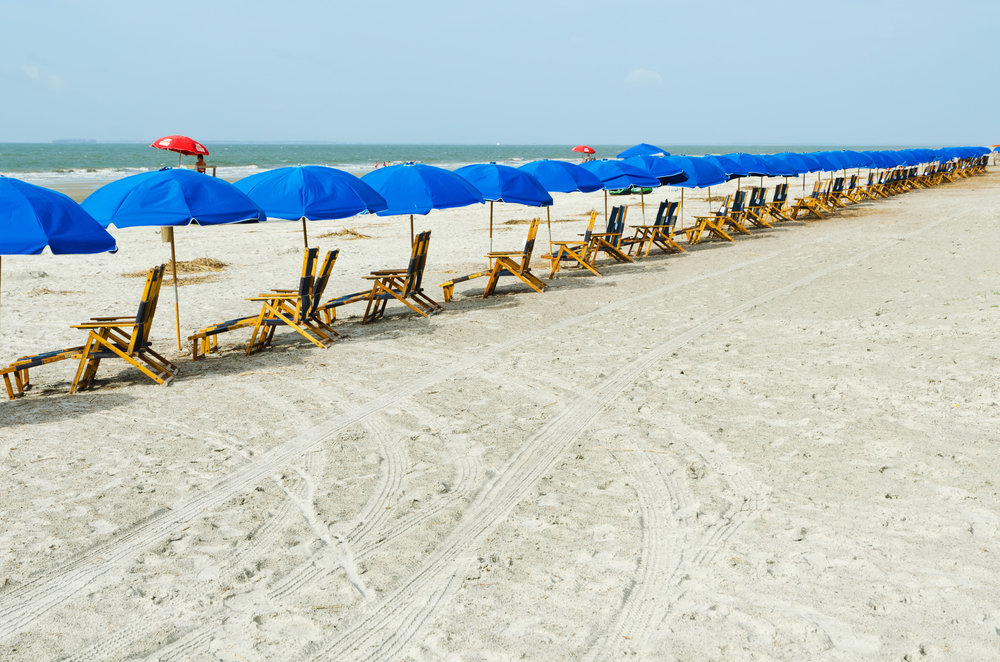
[(784, 448)]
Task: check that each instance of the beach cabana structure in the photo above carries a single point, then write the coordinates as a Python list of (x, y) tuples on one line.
[(643, 149), (561, 177), (170, 198), (33, 218), (416, 189), (310, 193), (615, 175)]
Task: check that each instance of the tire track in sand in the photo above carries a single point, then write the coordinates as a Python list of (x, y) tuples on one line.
[(21, 605), (386, 629)]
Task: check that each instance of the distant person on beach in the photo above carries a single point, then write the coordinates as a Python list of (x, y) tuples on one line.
[(201, 166)]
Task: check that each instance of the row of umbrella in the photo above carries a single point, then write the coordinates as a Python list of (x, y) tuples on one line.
[(33, 218)]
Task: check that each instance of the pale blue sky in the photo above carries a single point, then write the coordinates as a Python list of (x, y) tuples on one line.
[(540, 71)]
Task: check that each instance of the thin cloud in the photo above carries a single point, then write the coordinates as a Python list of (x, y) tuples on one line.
[(30, 71), (643, 78)]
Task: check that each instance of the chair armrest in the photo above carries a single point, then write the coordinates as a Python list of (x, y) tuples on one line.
[(284, 291), (119, 317), (388, 272), (504, 253), (97, 325), (274, 297)]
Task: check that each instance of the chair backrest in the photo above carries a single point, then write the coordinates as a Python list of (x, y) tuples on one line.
[(756, 200), (590, 226), (780, 193), (322, 278), (738, 199), (418, 258), (724, 207), (816, 189), (871, 178), (670, 216), (661, 213), (529, 245), (853, 183), (838, 185), (616, 225), (307, 280), (147, 308)]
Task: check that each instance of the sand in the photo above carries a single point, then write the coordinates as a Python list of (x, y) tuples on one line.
[(779, 449)]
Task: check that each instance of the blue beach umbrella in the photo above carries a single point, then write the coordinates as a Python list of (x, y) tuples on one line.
[(169, 198), (729, 166), (879, 160), (415, 188), (752, 163), (665, 171), (33, 218), (700, 173), (562, 176), (615, 175), (643, 149), (777, 167), (310, 193), (802, 162), (500, 183)]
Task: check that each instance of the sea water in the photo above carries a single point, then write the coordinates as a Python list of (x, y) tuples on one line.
[(70, 164)]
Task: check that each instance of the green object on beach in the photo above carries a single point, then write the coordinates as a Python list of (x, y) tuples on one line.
[(634, 190)]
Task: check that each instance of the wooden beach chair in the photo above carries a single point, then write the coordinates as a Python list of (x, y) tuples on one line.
[(296, 309), (835, 195), (776, 208), (125, 337), (206, 340), (403, 285), (851, 192), (712, 223), (736, 215), (812, 204), (659, 234), (756, 208), (572, 251), (609, 241), (504, 264)]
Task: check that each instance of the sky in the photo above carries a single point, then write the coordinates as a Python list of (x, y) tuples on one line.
[(514, 72)]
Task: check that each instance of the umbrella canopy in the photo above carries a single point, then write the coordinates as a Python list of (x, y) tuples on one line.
[(500, 183), (732, 169), (801, 162), (32, 217), (858, 159), (665, 171), (619, 175), (754, 165), (827, 161), (170, 197), (879, 160), (583, 149), (562, 176), (315, 193), (181, 145), (643, 149), (415, 188), (777, 167), (700, 172)]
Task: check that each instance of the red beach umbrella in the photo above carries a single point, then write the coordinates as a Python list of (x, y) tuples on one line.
[(181, 145), (583, 149)]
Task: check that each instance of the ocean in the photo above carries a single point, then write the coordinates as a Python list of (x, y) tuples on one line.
[(60, 164)]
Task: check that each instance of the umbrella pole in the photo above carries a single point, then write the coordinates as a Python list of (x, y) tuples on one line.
[(305, 237), (178, 165), (177, 306), (605, 206), (709, 199), (411, 230), (682, 207), (491, 229), (642, 201), (548, 220)]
